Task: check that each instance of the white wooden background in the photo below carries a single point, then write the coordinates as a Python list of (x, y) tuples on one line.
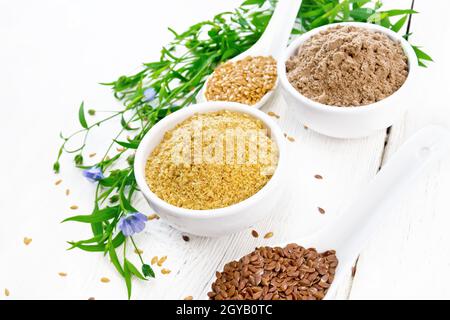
[(52, 55)]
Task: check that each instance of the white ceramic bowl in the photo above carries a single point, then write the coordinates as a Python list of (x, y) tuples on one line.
[(222, 221), (348, 122)]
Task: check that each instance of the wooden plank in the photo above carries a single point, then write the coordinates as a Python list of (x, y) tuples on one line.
[(409, 257)]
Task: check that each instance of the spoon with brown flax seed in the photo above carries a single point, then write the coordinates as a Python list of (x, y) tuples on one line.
[(290, 271)]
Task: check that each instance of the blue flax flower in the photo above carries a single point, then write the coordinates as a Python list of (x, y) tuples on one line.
[(93, 174), (149, 94), (132, 223)]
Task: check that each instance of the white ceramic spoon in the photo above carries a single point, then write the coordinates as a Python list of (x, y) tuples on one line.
[(351, 231), (272, 42)]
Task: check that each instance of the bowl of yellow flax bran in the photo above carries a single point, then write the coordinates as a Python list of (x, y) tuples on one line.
[(348, 80), (212, 169)]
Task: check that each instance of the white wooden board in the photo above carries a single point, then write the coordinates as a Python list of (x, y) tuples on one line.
[(48, 65)]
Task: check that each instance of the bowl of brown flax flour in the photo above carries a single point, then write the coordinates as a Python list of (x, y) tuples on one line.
[(348, 80), (212, 169)]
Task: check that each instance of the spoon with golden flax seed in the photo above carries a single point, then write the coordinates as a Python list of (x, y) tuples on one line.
[(251, 77)]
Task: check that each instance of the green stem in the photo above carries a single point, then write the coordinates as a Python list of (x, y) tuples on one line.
[(137, 250)]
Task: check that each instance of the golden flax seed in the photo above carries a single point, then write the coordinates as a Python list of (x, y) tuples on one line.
[(268, 235), (161, 261), (154, 260), (58, 182), (105, 280), (245, 81), (7, 293), (213, 184), (92, 155), (74, 207), (138, 251), (62, 274), (153, 217), (165, 271), (273, 114), (189, 298), (27, 241)]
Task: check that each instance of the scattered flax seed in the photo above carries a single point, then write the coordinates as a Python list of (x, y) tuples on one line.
[(92, 155), (321, 210), (212, 183), (57, 183), (120, 149), (153, 217), (245, 81), (74, 207), (62, 274), (318, 177), (353, 271), (105, 280), (91, 299), (285, 135), (306, 127), (161, 261), (67, 192), (255, 234), (154, 260), (273, 114), (165, 271), (27, 241), (138, 251), (189, 298), (291, 139), (186, 238), (7, 293), (268, 235)]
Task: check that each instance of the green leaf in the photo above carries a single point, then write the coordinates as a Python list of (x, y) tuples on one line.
[(128, 145), (399, 24), (113, 257), (56, 167), (81, 116), (421, 55), (114, 198), (116, 242), (94, 239), (399, 12), (78, 159), (134, 271), (253, 2), (361, 14), (98, 216), (88, 248), (148, 271), (127, 277)]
